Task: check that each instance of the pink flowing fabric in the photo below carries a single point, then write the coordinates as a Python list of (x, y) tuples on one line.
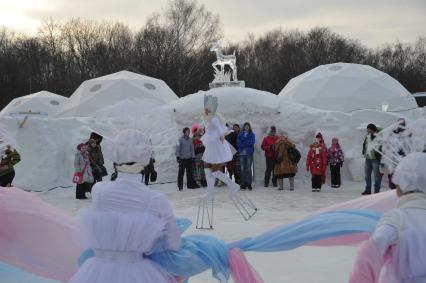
[(36, 236), (241, 270), (368, 264), (382, 202)]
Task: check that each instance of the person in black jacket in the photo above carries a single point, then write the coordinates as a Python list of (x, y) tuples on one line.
[(149, 170), (233, 166)]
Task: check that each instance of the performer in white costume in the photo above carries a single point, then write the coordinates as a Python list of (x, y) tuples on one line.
[(217, 149), (126, 220), (217, 153)]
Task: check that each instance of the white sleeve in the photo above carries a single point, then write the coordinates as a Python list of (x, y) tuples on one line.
[(388, 229), (385, 236), (172, 233)]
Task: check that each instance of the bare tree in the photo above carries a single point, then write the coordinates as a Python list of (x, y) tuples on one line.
[(180, 34)]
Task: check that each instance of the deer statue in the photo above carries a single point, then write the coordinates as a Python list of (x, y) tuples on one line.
[(223, 60)]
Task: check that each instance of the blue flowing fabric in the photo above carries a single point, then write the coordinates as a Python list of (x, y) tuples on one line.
[(199, 253), (320, 226)]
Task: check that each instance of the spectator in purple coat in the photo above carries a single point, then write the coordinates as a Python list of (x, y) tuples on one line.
[(335, 158)]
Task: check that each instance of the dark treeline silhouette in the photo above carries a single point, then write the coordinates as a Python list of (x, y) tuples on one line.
[(174, 46)]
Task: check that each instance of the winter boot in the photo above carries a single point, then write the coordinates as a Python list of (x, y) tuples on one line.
[(280, 183), (291, 179)]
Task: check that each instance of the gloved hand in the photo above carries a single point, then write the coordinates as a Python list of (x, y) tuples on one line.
[(341, 164), (177, 159)]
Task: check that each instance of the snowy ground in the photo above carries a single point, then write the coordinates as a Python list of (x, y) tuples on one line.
[(306, 264)]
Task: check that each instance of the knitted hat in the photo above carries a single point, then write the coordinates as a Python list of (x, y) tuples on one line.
[(194, 128), (80, 145)]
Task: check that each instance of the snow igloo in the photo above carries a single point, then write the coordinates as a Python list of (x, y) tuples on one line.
[(95, 94), (43, 103), (348, 87)]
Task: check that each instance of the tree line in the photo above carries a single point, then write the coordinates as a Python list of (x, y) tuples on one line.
[(174, 46)]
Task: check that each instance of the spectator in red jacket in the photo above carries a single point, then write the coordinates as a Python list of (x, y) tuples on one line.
[(321, 142), (267, 145), (316, 163)]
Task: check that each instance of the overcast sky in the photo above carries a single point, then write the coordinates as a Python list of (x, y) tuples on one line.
[(373, 22)]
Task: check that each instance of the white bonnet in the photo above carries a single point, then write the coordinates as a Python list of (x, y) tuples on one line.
[(410, 174), (131, 146)]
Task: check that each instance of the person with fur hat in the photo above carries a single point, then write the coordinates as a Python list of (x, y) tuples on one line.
[(96, 160), (335, 158), (316, 163), (372, 160), (82, 165), (127, 220), (399, 240), (283, 167)]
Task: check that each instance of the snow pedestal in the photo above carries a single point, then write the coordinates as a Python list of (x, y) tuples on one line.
[(227, 84)]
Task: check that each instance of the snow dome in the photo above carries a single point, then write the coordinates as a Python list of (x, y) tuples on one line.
[(348, 87), (97, 93), (47, 103)]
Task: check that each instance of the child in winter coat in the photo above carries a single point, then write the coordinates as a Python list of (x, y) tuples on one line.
[(82, 165), (335, 159), (316, 162), (198, 169), (399, 239), (322, 144)]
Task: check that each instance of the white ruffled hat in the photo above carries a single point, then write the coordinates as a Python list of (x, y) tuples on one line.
[(410, 174), (131, 146)]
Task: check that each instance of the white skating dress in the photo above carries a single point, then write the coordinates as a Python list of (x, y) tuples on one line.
[(125, 221), (216, 152)]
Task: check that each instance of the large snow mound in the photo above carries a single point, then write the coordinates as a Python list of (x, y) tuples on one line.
[(44, 102), (348, 87), (97, 93)]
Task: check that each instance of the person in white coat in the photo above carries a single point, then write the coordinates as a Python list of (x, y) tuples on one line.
[(403, 229), (126, 220)]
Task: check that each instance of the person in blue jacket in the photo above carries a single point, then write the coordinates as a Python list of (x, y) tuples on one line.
[(245, 143)]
